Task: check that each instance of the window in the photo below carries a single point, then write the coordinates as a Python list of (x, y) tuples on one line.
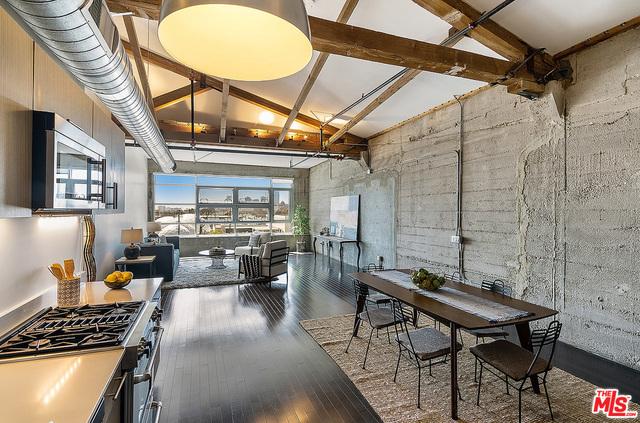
[(207, 205)]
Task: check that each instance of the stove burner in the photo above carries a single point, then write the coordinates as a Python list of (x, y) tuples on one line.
[(72, 328), (39, 343)]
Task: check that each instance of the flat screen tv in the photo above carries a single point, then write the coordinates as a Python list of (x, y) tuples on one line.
[(343, 217)]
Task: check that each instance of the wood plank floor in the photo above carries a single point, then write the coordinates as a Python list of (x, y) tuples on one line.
[(238, 354)]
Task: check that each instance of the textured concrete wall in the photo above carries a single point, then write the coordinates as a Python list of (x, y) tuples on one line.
[(549, 203)]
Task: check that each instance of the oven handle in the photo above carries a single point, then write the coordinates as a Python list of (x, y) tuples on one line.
[(123, 379), (158, 405), (147, 375)]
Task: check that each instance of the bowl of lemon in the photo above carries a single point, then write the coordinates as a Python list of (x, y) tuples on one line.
[(117, 280)]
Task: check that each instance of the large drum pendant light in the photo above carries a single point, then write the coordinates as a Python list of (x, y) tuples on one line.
[(246, 40)]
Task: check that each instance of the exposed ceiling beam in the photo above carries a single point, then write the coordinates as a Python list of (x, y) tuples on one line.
[(241, 137), (137, 56), (176, 96), (386, 94), (224, 110), (343, 17), (460, 15), (366, 44), (216, 84), (149, 9)]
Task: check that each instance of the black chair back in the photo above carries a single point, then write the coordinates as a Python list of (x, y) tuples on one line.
[(372, 267), (541, 338), (402, 315), (498, 286)]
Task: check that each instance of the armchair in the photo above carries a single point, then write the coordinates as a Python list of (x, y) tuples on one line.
[(270, 261)]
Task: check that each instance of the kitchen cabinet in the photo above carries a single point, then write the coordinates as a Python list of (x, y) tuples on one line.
[(16, 96), (108, 134)]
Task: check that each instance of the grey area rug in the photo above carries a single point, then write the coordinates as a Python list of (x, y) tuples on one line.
[(195, 272), (571, 397)]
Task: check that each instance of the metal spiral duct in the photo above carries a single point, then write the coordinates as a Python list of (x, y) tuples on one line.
[(81, 34)]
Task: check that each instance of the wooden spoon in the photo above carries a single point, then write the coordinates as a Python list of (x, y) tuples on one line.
[(69, 268), (57, 271)]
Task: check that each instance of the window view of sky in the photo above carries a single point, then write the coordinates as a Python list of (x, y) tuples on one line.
[(218, 205)]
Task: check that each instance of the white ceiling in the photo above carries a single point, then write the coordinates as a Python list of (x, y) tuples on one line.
[(552, 24)]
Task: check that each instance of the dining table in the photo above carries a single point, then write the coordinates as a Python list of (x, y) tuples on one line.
[(455, 317)]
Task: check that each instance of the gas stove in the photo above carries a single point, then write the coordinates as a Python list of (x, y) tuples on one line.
[(71, 329)]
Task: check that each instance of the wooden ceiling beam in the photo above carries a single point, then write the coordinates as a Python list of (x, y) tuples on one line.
[(224, 109), (216, 84), (137, 56), (346, 12), (176, 96), (366, 44), (460, 15)]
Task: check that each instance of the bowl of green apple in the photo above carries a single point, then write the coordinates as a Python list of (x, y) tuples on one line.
[(424, 279)]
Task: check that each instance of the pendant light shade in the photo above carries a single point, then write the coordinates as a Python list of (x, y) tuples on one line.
[(245, 40)]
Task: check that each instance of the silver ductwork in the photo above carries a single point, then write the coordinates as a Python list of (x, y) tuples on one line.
[(82, 37)]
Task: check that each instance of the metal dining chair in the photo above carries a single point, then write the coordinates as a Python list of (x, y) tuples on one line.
[(422, 345), (378, 318), (376, 298), (498, 286), (518, 364)]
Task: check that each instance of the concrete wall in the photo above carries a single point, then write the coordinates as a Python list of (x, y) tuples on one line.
[(550, 204)]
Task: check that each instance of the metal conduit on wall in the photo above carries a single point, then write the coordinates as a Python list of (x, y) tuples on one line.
[(82, 37)]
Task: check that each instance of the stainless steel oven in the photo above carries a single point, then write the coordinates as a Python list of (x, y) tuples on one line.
[(69, 167)]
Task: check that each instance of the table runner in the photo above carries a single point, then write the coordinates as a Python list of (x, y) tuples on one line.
[(487, 309)]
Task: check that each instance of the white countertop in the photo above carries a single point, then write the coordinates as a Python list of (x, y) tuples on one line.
[(63, 389), (67, 389)]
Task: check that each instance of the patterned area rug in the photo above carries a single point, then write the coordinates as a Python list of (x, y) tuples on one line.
[(571, 397), (195, 272)]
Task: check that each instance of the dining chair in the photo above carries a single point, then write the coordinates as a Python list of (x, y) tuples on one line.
[(375, 297), (498, 286), (519, 364), (422, 345), (378, 318)]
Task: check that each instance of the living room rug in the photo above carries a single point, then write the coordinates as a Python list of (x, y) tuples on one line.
[(195, 272), (571, 397)]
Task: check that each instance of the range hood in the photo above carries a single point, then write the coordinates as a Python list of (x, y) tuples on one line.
[(81, 36)]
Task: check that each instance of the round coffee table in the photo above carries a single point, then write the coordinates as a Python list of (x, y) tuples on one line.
[(217, 258)]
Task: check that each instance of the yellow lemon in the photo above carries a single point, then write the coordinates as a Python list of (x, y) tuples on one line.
[(127, 276), (111, 278)]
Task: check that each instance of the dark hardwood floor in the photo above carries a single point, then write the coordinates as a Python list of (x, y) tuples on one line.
[(238, 354)]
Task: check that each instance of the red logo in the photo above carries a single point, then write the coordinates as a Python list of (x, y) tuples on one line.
[(612, 404)]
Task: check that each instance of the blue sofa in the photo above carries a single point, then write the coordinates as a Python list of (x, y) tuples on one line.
[(167, 258)]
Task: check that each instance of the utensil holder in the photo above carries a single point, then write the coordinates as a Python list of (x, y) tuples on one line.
[(68, 292)]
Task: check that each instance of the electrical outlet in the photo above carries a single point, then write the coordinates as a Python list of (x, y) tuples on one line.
[(456, 239)]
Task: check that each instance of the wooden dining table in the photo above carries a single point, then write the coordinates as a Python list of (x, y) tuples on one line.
[(454, 317)]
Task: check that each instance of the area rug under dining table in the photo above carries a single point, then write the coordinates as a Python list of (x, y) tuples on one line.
[(571, 397)]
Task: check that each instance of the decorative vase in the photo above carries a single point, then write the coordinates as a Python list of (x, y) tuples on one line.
[(132, 251), (88, 238), (301, 246)]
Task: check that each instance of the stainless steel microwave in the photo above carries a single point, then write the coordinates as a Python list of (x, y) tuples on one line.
[(68, 167)]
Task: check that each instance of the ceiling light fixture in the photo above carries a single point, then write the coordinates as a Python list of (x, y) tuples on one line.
[(246, 40), (266, 118)]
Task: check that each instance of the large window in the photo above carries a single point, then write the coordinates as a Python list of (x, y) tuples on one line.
[(221, 205)]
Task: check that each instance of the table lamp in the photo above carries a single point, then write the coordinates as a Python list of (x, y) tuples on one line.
[(131, 237), (152, 229)]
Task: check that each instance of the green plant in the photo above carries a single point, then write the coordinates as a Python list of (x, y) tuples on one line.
[(300, 221)]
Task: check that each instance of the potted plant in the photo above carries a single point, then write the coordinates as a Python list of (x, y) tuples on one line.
[(301, 228)]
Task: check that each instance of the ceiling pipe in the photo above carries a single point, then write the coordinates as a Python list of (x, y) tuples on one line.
[(80, 35), (307, 155)]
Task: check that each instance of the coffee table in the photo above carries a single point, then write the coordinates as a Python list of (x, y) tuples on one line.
[(217, 258)]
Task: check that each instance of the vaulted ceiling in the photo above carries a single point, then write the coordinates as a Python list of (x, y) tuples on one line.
[(554, 25)]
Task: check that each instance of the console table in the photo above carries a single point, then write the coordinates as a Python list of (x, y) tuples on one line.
[(341, 241)]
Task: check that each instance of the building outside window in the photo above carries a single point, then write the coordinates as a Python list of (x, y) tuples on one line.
[(207, 205)]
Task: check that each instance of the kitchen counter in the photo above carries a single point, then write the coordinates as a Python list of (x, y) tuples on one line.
[(63, 389), (137, 290), (67, 389)]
